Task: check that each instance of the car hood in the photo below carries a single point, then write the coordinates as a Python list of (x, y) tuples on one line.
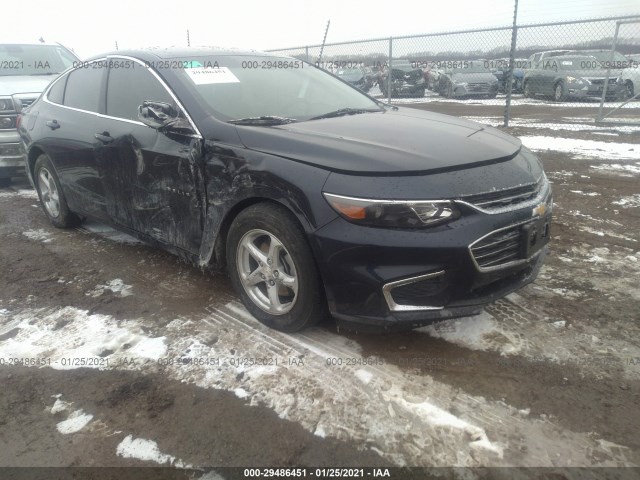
[(11, 85), (591, 73), (351, 77), (474, 77), (406, 141)]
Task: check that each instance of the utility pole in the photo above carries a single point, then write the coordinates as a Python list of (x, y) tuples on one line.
[(326, 30), (188, 39), (116, 45), (512, 54)]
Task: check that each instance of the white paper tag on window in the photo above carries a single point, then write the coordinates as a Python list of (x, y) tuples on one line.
[(567, 62), (207, 75)]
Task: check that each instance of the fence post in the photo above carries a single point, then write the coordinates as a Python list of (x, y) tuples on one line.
[(606, 80), (389, 70), (306, 53), (512, 54)]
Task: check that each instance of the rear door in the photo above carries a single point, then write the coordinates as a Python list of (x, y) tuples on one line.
[(152, 179), (70, 122)]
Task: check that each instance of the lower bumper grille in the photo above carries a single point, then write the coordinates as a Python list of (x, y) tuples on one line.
[(498, 248), (511, 246), (424, 292)]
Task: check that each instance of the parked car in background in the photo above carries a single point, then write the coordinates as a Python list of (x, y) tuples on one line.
[(467, 79), (432, 76), (500, 68), (407, 80), (315, 196), (606, 58), (25, 70), (358, 77), (631, 78), (565, 77)]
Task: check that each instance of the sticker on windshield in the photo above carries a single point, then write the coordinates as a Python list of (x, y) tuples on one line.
[(208, 75), (567, 62)]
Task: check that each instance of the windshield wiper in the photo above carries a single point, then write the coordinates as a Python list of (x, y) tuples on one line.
[(345, 111), (264, 120)]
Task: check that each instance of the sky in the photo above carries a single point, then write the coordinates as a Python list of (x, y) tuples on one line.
[(90, 28)]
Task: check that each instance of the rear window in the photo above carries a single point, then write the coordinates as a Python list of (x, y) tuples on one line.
[(83, 88)]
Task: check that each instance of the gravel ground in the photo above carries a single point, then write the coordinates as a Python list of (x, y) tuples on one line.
[(134, 358)]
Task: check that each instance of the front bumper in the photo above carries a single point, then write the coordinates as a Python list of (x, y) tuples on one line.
[(473, 90), (614, 90), (383, 279), (404, 88), (12, 155)]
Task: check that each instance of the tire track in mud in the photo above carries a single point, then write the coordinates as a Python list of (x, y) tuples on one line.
[(484, 422)]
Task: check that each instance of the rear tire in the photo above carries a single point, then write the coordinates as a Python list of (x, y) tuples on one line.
[(272, 268), (51, 196)]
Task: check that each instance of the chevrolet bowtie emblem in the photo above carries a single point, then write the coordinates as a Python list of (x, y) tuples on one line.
[(539, 210)]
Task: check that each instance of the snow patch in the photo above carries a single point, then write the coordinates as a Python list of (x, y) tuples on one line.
[(629, 202), (116, 286), (584, 148), (39, 234), (76, 422), (146, 450)]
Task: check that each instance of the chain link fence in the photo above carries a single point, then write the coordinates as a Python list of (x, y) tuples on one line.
[(577, 75)]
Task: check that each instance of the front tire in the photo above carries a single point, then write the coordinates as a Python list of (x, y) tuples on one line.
[(51, 196), (272, 268), (559, 92)]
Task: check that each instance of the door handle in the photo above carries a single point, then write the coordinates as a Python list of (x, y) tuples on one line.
[(104, 137), (52, 124)]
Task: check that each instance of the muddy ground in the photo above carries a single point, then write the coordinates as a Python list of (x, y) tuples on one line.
[(105, 340)]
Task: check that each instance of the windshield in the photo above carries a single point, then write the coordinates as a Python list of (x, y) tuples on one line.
[(404, 66), (605, 56), (237, 87), (34, 59), (349, 71)]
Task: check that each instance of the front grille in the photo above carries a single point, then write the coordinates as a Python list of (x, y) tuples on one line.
[(478, 87), (508, 197), (428, 292), (498, 248)]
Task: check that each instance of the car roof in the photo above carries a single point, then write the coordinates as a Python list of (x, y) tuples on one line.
[(560, 58), (27, 41), (151, 54)]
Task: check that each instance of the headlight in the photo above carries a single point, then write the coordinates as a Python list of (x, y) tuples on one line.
[(575, 80), (393, 213), (6, 104), (7, 122)]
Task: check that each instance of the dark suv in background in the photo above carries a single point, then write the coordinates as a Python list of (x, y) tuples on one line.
[(25, 70)]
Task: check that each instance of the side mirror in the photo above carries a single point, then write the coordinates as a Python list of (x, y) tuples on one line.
[(156, 114)]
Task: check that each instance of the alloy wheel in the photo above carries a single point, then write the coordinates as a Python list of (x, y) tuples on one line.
[(49, 192), (267, 272)]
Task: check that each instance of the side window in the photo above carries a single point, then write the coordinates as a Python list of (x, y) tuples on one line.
[(56, 94), (83, 88), (129, 86)]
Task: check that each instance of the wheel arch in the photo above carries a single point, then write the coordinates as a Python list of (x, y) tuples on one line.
[(218, 254)]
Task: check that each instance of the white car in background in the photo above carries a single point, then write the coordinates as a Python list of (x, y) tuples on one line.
[(26, 68), (631, 76)]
